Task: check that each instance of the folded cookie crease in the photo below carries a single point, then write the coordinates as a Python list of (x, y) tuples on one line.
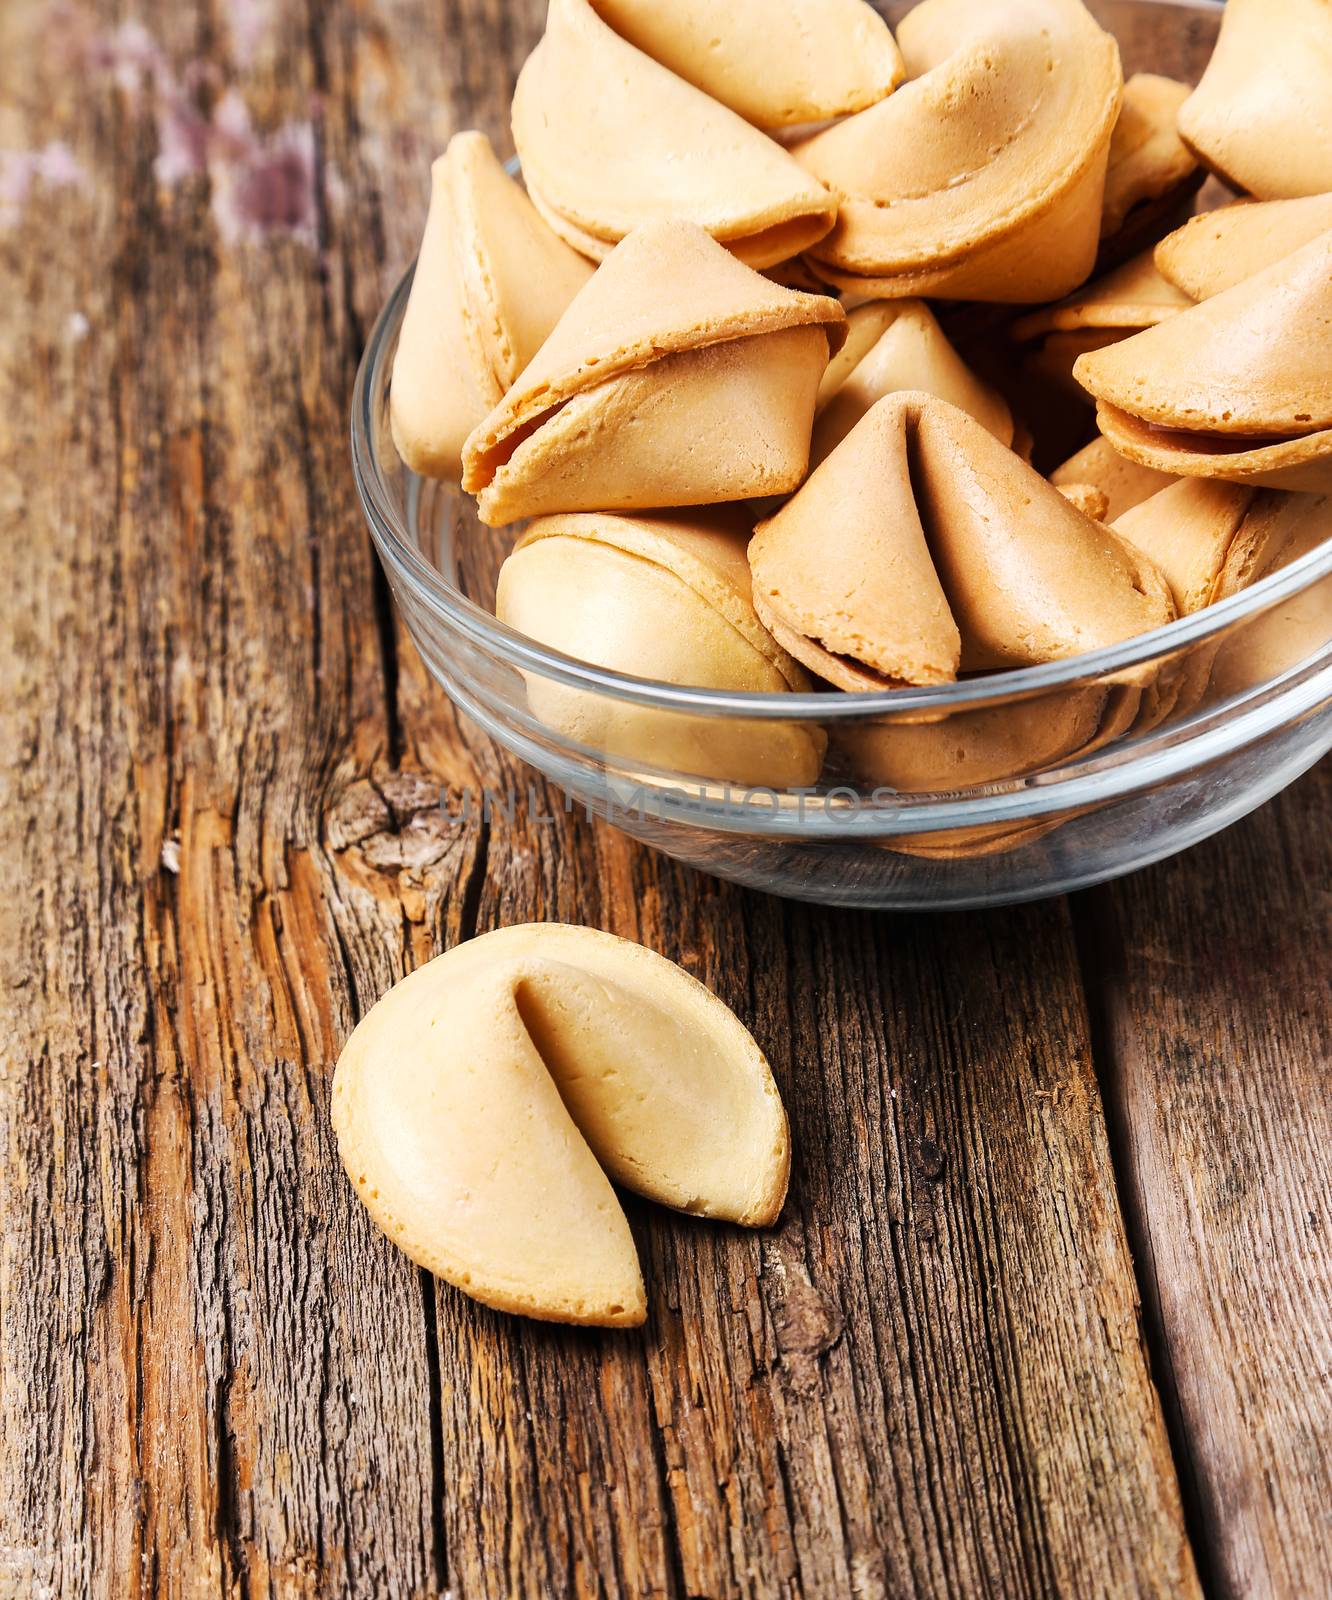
[(922, 548), (1261, 118), (666, 598), (484, 1104), (491, 281), (774, 62), (1237, 387), (983, 176), (610, 139), (678, 376)]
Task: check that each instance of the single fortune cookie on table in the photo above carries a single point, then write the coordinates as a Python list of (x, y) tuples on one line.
[(491, 281), (1262, 116), (483, 1107), (983, 176), (665, 598), (1215, 251), (893, 345), (1238, 387), (610, 139), (678, 376), (923, 548), (775, 62)]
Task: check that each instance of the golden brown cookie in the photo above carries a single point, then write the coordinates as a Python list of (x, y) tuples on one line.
[(1199, 534), (893, 345), (1293, 631), (1132, 297), (477, 1104), (1262, 116), (665, 598), (609, 139), (922, 548), (491, 281), (677, 377), (1148, 159), (1238, 387), (1123, 482), (1212, 540), (774, 62), (1215, 251), (983, 176)]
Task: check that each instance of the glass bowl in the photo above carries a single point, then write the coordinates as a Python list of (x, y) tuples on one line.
[(1131, 753)]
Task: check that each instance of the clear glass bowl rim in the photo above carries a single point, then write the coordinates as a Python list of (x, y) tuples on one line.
[(428, 586)]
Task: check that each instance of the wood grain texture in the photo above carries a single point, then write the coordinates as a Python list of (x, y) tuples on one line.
[(1214, 979), (221, 840), (929, 1379)]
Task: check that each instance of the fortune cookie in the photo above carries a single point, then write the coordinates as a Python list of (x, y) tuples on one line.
[(1211, 539), (677, 377), (491, 281), (1198, 534), (477, 1104), (1219, 249), (609, 139), (1091, 501), (892, 345), (1261, 118), (983, 176), (1294, 629), (775, 62), (665, 599), (1239, 387), (922, 548), (1122, 482), (984, 745), (1132, 297), (1148, 159), (987, 744)]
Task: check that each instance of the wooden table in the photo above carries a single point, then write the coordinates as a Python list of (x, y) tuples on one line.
[(1048, 1309)]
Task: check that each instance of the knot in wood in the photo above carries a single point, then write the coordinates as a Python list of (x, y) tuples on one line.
[(808, 1322)]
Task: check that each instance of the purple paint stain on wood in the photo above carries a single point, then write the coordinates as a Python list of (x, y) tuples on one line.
[(53, 164), (263, 185)]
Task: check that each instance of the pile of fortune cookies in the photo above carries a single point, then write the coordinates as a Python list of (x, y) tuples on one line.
[(763, 346), (761, 353)]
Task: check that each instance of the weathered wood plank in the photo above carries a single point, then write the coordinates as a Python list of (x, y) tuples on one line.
[(929, 1379), (1216, 1007), (223, 842), (216, 1376)]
